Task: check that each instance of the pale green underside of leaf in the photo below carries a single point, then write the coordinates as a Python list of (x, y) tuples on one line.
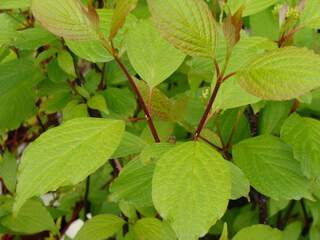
[(66, 18), (93, 50), (100, 227), (14, 4), (151, 56), (66, 155), (133, 184), (303, 134), (17, 96), (261, 232), (251, 6), (33, 218), (310, 16), (191, 188), (281, 74), (187, 24), (123, 8), (270, 167)]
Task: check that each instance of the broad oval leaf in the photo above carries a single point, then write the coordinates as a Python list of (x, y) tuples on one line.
[(259, 231), (151, 56), (191, 188), (66, 18), (100, 227), (271, 169), (66, 155), (281, 74), (17, 96), (187, 24), (303, 134)]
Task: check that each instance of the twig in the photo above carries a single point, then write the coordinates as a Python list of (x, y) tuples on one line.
[(234, 130), (282, 222), (135, 88), (140, 99), (306, 217), (261, 201), (86, 202), (208, 109), (295, 106), (103, 84)]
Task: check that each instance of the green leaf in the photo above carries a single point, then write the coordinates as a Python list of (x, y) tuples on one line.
[(133, 184), (66, 18), (281, 74), (32, 218), (17, 96), (93, 50), (191, 188), (33, 38), (74, 109), (224, 234), (100, 227), (269, 164), (273, 116), (231, 94), (293, 231), (251, 6), (14, 4), (65, 62), (240, 185), (66, 155), (8, 171), (123, 8), (310, 16), (8, 29), (261, 232), (151, 56), (303, 134), (154, 151), (152, 228), (130, 144), (98, 102), (121, 102), (187, 24)]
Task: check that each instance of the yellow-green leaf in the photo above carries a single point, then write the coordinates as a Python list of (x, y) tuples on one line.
[(66, 18), (191, 188), (281, 74), (151, 56), (66, 155), (187, 24)]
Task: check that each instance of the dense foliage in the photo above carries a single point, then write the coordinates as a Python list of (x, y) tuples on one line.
[(160, 119)]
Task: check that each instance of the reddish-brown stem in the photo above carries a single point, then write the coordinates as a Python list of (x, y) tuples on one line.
[(295, 106), (208, 109), (140, 99), (286, 37), (229, 76), (233, 131)]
